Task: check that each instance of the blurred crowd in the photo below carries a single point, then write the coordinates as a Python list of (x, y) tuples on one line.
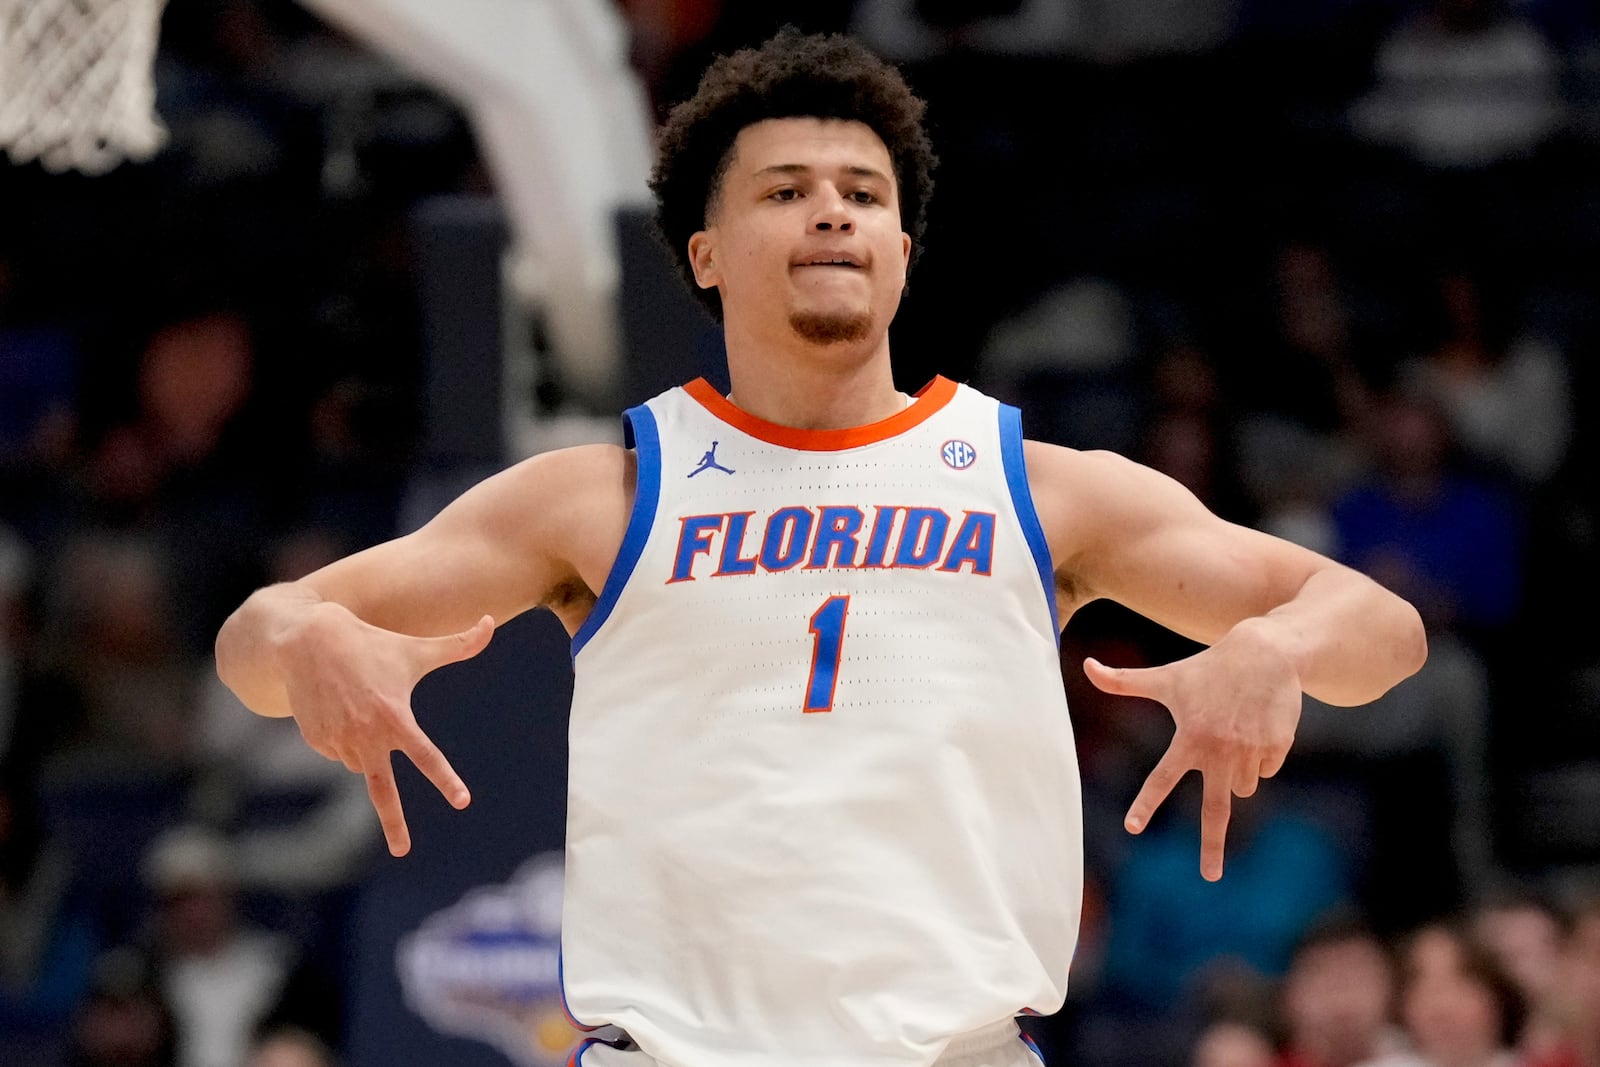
[(1333, 265), (1510, 981)]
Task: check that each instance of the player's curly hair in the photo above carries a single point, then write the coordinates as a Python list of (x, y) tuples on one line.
[(791, 75)]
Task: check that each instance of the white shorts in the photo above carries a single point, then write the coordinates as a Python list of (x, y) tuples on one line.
[(999, 1045)]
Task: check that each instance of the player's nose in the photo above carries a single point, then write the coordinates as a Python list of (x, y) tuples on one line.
[(831, 212)]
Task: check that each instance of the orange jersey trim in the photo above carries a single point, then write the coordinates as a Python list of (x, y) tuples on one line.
[(930, 399)]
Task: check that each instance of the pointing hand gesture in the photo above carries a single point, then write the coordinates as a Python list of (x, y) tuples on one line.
[(1235, 706), (349, 685)]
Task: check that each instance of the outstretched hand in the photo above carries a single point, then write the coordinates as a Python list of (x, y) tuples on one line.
[(1235, 706), (349, 686)]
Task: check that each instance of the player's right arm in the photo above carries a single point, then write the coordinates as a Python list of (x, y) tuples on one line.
[(341, 649)]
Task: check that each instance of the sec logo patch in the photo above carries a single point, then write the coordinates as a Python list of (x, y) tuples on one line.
[(957, 454)]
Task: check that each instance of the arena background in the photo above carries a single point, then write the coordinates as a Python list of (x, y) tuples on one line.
[(1331, 264)]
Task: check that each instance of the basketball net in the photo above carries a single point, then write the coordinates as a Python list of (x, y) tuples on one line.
[(77, 87)]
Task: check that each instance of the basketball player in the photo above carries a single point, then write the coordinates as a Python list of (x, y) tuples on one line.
[(823, 805)]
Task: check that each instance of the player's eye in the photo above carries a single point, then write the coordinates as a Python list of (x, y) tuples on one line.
[(786, 193), (862, 196)]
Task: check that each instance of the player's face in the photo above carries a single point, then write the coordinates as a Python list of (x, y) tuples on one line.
[(805, 232)]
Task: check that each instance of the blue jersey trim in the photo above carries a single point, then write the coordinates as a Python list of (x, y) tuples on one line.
[(639, 426), (561, 985), (1022, 501)]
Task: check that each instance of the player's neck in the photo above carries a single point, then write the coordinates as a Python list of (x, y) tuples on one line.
[(816, 394)]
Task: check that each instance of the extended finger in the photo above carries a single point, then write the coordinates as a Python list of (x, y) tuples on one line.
[(1215, 808), (436, 768), (386, 800), (453, 648), (1157, 787), (1120, 681)]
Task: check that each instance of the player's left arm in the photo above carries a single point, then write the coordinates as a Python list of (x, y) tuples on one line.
[(1123, 531), (1278, 620)]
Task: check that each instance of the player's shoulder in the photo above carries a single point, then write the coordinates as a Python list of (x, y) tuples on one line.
[(579, 469), (558, 499), (542, 487), (1099, 489), (1052, 461)]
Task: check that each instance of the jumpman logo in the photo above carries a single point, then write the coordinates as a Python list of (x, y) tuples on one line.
[(708, 462)]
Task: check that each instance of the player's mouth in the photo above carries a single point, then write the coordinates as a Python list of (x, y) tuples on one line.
[(830, 261)]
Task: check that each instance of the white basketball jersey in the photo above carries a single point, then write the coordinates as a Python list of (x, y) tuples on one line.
[(824, 806)]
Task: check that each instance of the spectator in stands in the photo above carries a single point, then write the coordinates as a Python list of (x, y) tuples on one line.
[(187, 465), (1458, 1006), (288, 1046), (48, 939), (1528, 931), (1300, 393), (661, 33), (299, 829), (1575, 1008), (1462, 84), (1232, 1043), (194, 378), (1427, 528), (111, 678), (1241, 1026), (1507, 393), (909, 31), (1453, 542), (125, 1021), (1074, 354), (1338, 996), (1108, 31), (1310, 376), (1189, 433), (1192, 450), (222, 975)]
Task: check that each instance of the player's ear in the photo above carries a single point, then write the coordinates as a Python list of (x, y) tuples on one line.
[(702, 260), (905, 249)]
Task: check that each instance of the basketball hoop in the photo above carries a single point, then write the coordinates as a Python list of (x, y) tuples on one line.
[(77, 90)]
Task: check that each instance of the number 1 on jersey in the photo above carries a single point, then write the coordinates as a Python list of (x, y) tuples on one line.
[(827, 642)]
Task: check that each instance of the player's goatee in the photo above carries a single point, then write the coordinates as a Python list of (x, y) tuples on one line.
[(822, 329)]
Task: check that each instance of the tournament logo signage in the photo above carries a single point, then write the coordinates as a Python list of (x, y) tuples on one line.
[(488, 967)]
